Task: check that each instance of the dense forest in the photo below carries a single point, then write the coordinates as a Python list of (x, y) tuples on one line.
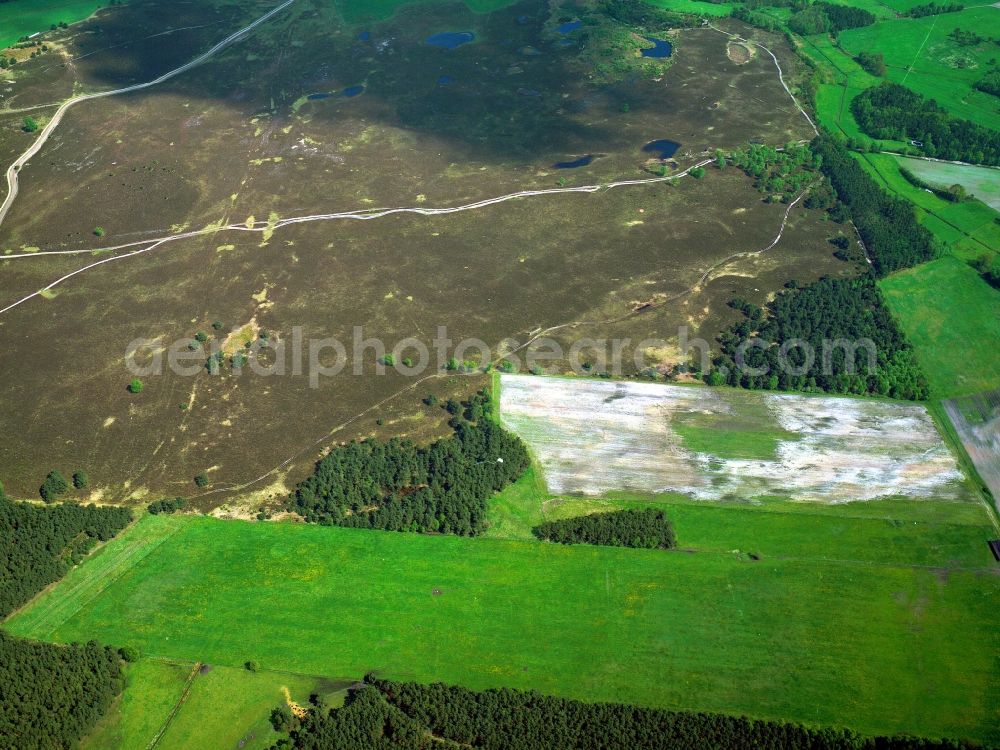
[(646, 528), (399, 486), (39, 544), (874, 360), (51, 696), (888, 226), (990, 83), (893, 112), (827, 18), (387, 715)]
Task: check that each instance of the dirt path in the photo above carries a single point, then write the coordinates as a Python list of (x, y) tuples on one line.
[(43, 136), (358, 215)]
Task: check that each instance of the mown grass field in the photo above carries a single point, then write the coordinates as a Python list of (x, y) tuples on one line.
[(949, 314), (24, 17), (908, 604), (967, 230), (982, 182)]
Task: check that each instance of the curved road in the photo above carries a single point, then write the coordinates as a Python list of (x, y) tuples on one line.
[(43, 136)]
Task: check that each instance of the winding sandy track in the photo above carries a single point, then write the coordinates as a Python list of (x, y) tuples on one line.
[(361, 215), (781, 73), (52, 124)]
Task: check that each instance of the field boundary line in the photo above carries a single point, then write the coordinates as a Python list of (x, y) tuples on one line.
[(132, 555), (177, 707)]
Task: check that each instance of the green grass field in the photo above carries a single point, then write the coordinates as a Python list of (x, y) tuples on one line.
[(966, 230), (904, 598), (919, 53), (842, 79), (24, 17), (695, 7), (981, 182), (152, 689), (225, 707), (949, 314)]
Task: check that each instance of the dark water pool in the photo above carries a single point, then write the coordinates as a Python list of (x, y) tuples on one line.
[(352, 91), (569, 26), (451, 39), (664, 148), (320, 95), (583, 161), (663, 48), (445, 80), (364, 36)]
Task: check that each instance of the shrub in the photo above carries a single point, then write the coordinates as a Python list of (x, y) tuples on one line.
[(135, 386)]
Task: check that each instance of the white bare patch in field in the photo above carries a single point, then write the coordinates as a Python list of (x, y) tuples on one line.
[(977, 421), (594, 436)]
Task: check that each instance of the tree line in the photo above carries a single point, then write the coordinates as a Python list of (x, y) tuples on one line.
[(853, 344), (52, 696), (933, 9), (893, 112), (646, 528), (384, 715), (399, 486), (38, 545), (888, 226), (827, 18)]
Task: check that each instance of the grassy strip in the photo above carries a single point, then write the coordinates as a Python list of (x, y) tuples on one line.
[(108, 563)]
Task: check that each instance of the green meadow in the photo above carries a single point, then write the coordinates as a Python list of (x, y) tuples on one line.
[(981, 182), (175, 705), (24, 17), (967, 229), (900, 588), (949, 314), (920, 54), (695, 6)]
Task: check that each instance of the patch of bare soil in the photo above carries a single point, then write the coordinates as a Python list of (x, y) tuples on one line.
[(739, 53)]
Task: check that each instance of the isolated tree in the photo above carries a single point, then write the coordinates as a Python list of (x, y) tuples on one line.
[(135, 386), (98, 231), (698, 173), (251, 666), (201, 480), (80, 480), (30, 125)]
